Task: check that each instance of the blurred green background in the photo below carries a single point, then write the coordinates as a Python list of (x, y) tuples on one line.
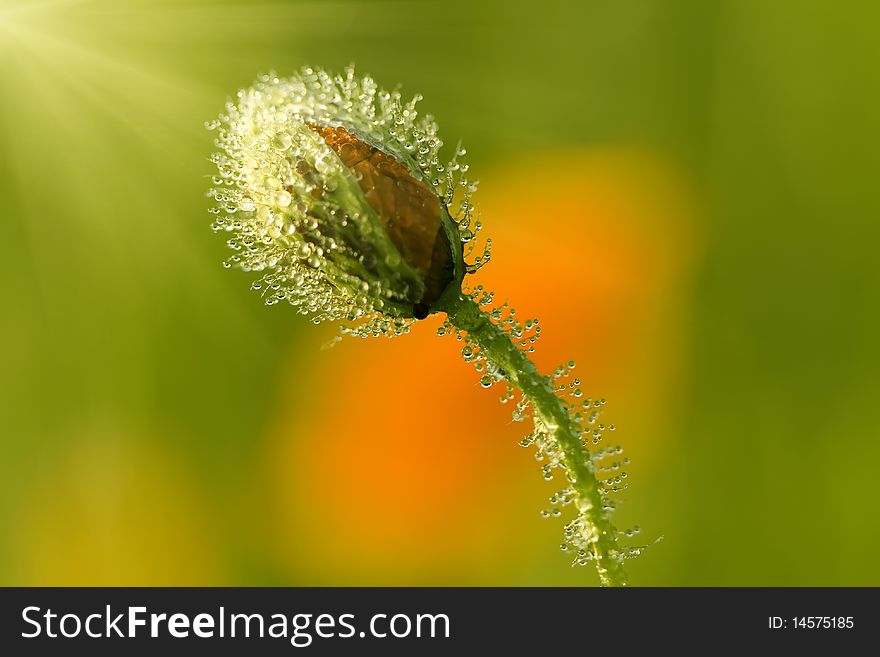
[(685, 190)]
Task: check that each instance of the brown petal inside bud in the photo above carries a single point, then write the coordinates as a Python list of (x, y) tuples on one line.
[(408, 210)]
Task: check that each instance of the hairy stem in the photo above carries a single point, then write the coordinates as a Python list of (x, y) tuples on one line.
[(552, 412)]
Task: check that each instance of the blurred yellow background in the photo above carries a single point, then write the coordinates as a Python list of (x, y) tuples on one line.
[(683, 191)]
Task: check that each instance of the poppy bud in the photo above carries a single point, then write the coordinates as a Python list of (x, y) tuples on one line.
[(334, 190)]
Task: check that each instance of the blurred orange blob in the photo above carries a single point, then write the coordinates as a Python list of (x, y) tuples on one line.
[(389, 464), (113, 510)]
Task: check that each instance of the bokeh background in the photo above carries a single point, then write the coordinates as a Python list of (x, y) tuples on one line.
[(685, 192)]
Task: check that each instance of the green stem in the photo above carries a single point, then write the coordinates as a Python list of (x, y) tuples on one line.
[(552, 412)]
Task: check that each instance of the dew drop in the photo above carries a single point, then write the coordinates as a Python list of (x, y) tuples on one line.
[(282, 141)]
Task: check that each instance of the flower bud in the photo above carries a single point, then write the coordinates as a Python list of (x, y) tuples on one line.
[(333, 189)]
